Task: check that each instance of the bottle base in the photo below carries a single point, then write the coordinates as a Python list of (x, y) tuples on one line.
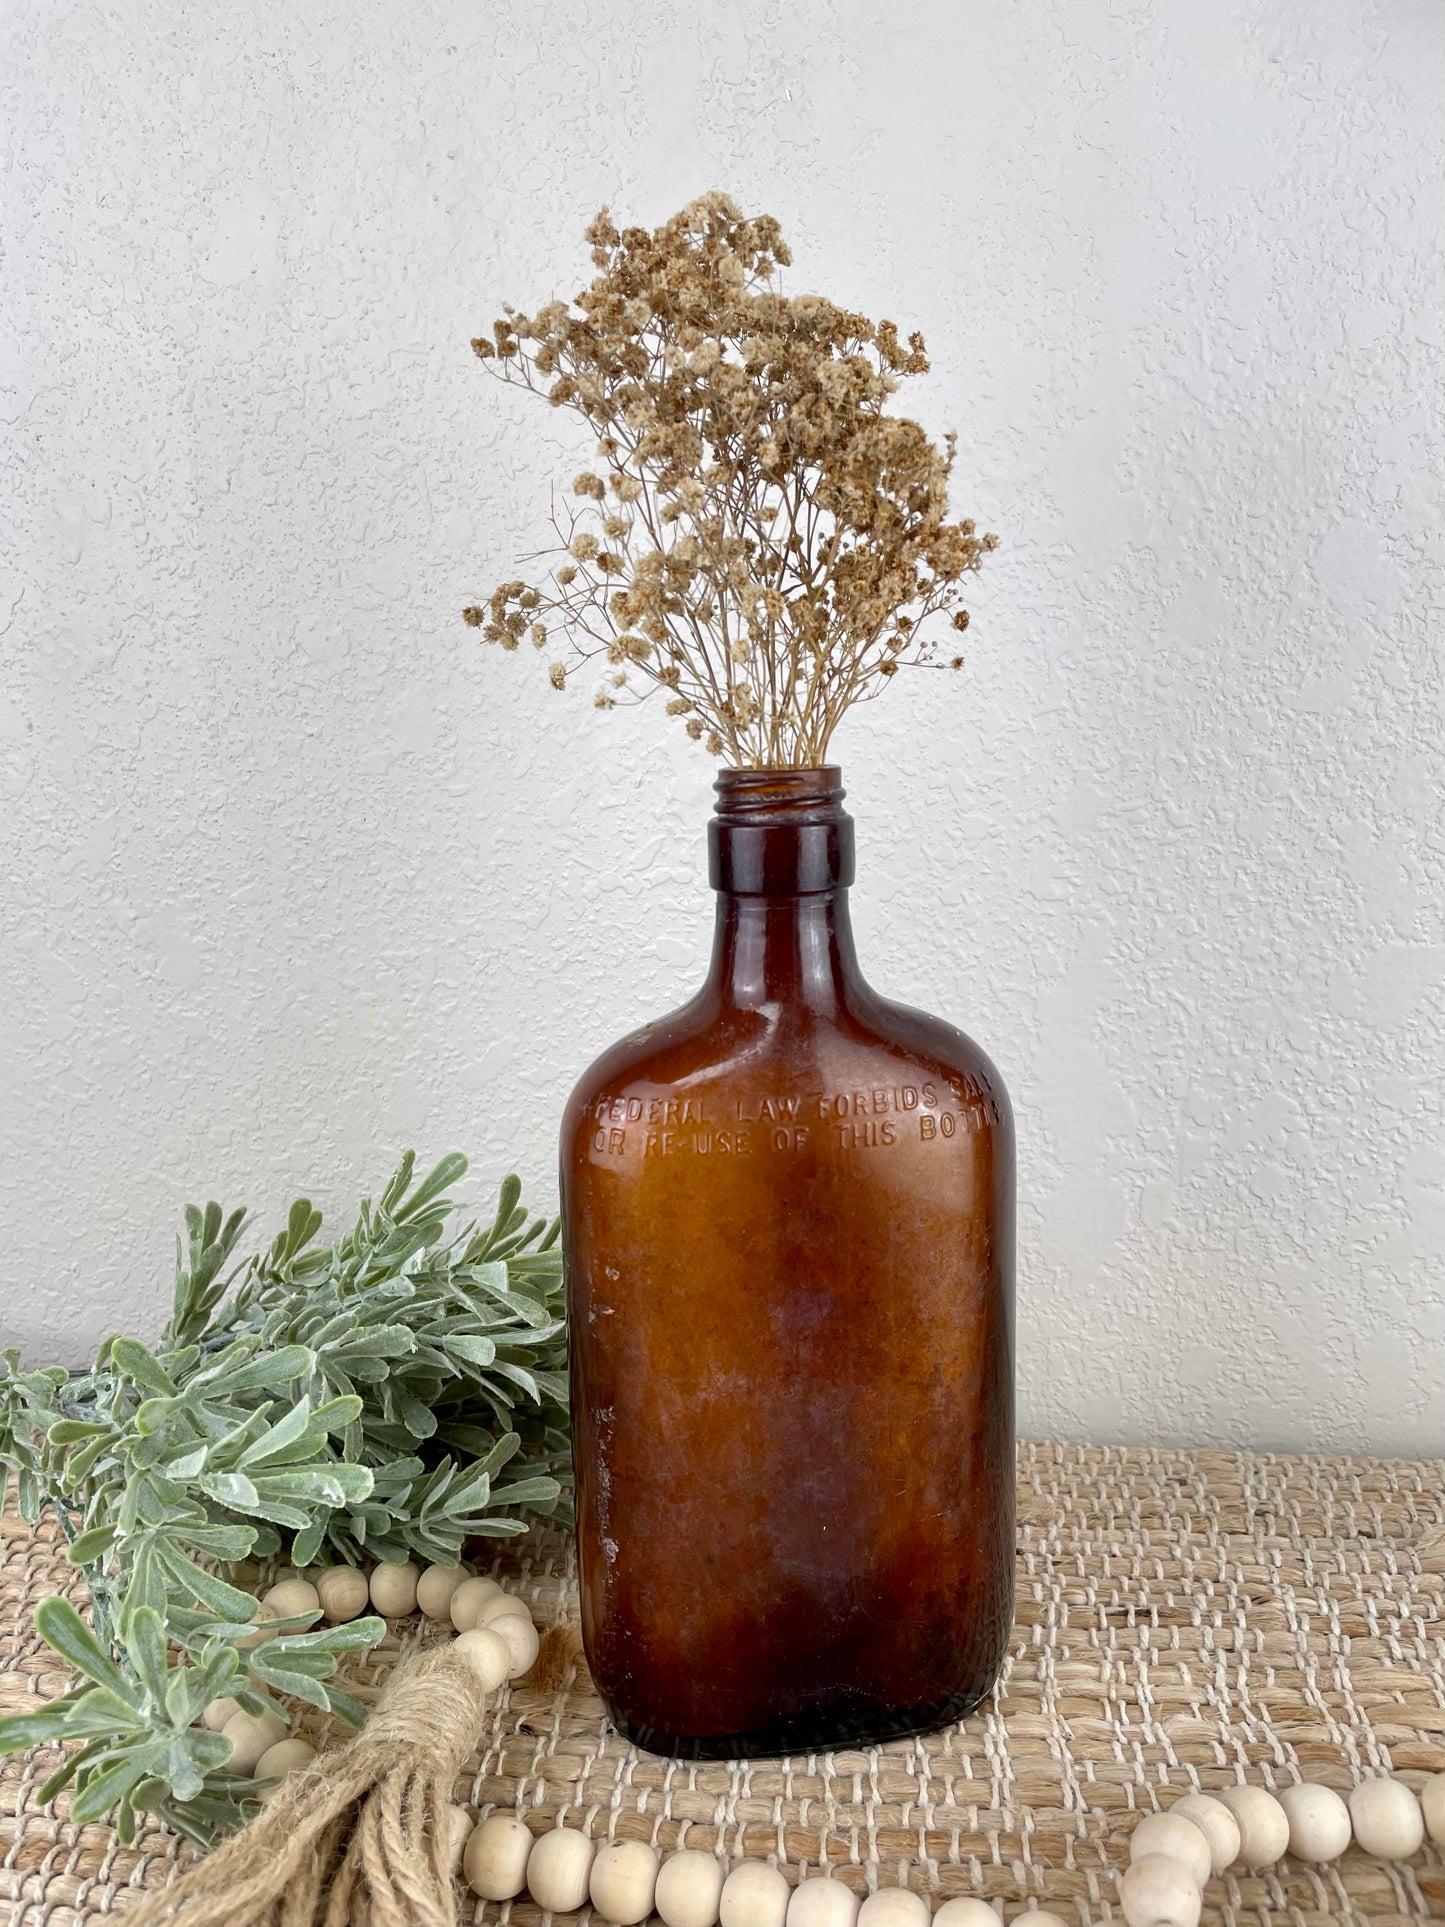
[(803, 1732)]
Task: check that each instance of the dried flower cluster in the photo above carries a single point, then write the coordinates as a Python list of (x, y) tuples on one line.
[(756, 534)]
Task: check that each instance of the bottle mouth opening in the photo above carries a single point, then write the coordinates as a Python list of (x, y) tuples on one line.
[(780, 797), (780, 832)]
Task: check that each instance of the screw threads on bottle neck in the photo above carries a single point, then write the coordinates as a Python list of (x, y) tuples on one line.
[(780, 832)]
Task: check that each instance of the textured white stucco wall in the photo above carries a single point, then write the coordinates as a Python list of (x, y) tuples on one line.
[(294, 875)]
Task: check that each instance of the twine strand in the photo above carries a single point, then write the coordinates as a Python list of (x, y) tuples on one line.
[(358, 1839)]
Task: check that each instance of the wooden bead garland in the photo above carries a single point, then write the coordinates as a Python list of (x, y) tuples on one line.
[(1172, 1837), (218, 1712), (488, 1655), (1216, 1823), (279, 1761), (1172, 1853), (251, 1735), (558, 1870), (501, 1605), (456, 1831), (1160, 1892), (754, 1895), (1262, 1822), (495, 1865), (435, 1588), (521, 1639), (689, 1889), (1319, 1822), (286, 1756), (966, 1911), (623, 1882), (1387, 1820), (291, 1598), (467, 1601), (894, 1907), (343, 1593), (393, 1588), (820, 1901)]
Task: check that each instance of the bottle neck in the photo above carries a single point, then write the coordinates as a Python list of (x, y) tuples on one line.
[(781, 859), (793, 951)]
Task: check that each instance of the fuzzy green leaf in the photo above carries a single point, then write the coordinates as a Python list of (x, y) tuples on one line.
[(128, 1355), (105, 1789), (276, 1438), (271, 1370), (89, 1548), (33, 1729), (227, 1601), (61, 1626), (145, 1642), (353, 1636), (342, 1703), (447, 1173), (232, 1489)]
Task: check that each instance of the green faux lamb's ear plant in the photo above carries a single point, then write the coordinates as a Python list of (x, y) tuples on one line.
[(334, 1402), (135, 1717)]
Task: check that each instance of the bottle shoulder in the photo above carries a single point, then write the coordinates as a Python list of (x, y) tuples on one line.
[(952, 1052), (647, 1054), (870, 1044)]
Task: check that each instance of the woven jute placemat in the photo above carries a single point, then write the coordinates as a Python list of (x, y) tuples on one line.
[(1185, 1620)]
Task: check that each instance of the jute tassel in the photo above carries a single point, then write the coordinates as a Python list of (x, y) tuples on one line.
[(358, 1838)]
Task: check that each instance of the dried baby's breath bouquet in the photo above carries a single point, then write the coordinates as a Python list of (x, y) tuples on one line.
[(757, 535)]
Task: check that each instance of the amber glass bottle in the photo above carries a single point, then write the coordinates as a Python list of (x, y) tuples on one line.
[(788, 1213)]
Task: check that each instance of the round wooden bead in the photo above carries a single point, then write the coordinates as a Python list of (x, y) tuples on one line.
[(499, 1606), (894, 1907), (689, 1888), (286, 1756), (1432, 1805), (754, 1895), (557, 1870), (490, 1658), (251, 1735), (521, 1639), (1387, 1819), (456, 1829), (393, 1588), (495, 1862), (1216, 1823), (1262, 1822), (1159, 1892), (966, 1911), (435, 1588), (1319, 1822), (343, 1592), (623, 1881), (218, 1712), (467, 1601), (291, 1597), (821, 1901), (1175, 1838)]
